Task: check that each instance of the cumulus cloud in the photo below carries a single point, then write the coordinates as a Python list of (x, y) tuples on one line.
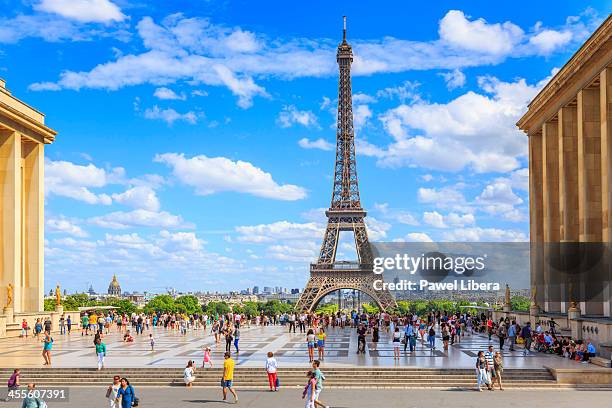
[(320, 144), (143, 197), (454, 79), (478, 234), (137, 218), (196, 51), (475, 130), (99, 11), (65, 226), (66, 179), (167, 93), (437, 220), (209, 175), (170, 116), (290, 116), (280, 230)]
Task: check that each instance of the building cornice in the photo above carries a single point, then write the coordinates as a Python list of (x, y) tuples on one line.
[(28, 127), (594, 55)]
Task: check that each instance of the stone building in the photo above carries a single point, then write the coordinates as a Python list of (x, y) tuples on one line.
[(23, 136), (569, 127), (114, 289)]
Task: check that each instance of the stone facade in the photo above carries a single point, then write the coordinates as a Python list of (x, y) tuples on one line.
[(569, 126), (23, 136)]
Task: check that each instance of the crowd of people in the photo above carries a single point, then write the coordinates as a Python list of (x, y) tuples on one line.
[(402, 331)]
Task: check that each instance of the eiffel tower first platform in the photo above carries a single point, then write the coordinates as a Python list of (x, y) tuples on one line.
[(345, 213)]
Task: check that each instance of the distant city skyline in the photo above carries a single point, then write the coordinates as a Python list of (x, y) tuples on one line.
[(195, 144)]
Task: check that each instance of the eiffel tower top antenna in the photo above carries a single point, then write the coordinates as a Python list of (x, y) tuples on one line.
[(344, 31)]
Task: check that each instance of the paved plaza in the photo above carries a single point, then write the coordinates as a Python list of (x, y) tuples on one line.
[(173, 350), (211, 398)]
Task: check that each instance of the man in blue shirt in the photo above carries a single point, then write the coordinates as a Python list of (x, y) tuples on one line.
[(512, 335), (408, 332), (526, 335)]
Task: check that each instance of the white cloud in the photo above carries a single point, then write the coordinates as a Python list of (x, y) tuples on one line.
[(437, 220), (75, 181), (137, 218), (474, 130), (196, 51), (548, 41), (444, 197), (396, 215), (64, 225), (140, 197), (497, 198), (520, 179), (417, 237), (167, 93), (362, 98), (99, 11), (478, 234), (454, 79), (209, 175), (361, 115), (407, 91), (320, 143), (280, 230), (290, 116), (478, 35), (170, 116), (377, 230)]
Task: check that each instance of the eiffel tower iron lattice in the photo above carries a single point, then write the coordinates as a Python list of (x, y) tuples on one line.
[(345, 213)]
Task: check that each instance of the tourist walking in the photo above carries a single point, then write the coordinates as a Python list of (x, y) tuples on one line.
[(431, 336), (512, 335), (321, 343), (228, 339), (25, 328), (112, 391), (47, 345), (237, 338), (526, 335), (310, 390), (310, 342), (271, 370), (490, 357), (396, 343), (227, 381), (189, 374), (126, 394), (62, 325), (69, 324), (498, 365), (501, 334), (152, 342), (100, 352), (320, 377), (481, 371), (375, 337), (207, 358), (361, 338)]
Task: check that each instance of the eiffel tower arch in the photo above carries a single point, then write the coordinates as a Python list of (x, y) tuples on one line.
[(345, 212)]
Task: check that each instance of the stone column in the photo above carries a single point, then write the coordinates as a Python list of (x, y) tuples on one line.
[(550, 210), (10, 215), (568, 180), (535, 219), (589, 177), (605, 108), (33, 207)]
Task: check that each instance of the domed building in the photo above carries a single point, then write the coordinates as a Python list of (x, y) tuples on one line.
[(114, 289)]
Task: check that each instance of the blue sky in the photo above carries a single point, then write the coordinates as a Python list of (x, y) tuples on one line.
[(195, 145)]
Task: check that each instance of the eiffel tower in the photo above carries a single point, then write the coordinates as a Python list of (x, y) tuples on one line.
[(345, 213)]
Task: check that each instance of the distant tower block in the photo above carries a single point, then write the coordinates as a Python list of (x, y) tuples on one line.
[(345, 213)]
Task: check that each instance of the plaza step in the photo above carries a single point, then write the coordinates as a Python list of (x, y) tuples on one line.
[(247, 377)]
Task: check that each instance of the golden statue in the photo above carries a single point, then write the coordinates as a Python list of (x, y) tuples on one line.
[(9, 295), (58, 296)]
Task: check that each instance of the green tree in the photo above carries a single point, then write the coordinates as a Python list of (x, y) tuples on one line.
[(520, 303), (190, 302), (161, 303), (216, 308), (250, 309), (122, 305)]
